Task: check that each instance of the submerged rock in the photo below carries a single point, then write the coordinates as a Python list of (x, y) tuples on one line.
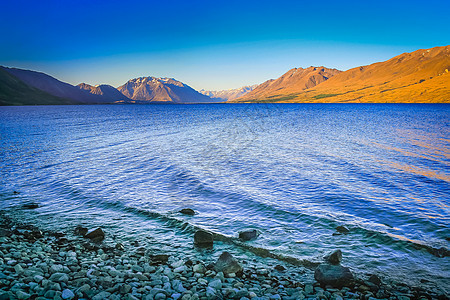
[(30, 206), (227, 264), (80, 230), (203, 239), (96, 235), (187, 211), (334, 275), (248, 235), (334, 258), (375, 279), (280, 268), (342, 229), (119, 247), (160, 259)]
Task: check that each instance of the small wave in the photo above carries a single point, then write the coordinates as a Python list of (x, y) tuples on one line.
[(189, 228)]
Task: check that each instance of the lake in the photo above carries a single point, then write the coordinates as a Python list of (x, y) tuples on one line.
[(294, 172)]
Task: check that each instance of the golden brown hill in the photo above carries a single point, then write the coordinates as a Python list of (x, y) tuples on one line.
[(292, 82), (421, 76)]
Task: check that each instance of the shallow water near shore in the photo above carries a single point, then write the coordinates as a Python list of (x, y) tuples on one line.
[(293, 172)]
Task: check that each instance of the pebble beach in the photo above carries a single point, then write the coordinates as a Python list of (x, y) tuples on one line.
[(37, 264)]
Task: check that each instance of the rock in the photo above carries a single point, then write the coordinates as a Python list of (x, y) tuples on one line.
[(22, 295), (102, 295), (18, 268), (280, 268), (203, 239), (5, 232), (124, 289), (59, 277), (227, 264), (80, 230), (334, 258), (334, 275), (248, 235), (30, 206), (187, 211), (160, 296), (309, 289), (159, 259), (67, 294), (215, 284), (199, 268), (342, 229), (375, 279), (210, 293), (96, 235)]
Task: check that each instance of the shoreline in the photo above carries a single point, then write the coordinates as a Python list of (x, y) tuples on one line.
[(37, 264)]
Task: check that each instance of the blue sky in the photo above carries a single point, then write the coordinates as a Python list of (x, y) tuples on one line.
[(211, 44)]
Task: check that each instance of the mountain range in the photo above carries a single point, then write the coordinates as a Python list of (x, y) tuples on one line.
[(104, 90), (421, 76), (229, 95), (168, 90), (293, 81)]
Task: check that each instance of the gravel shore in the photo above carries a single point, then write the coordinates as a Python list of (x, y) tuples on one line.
[(37, 264)]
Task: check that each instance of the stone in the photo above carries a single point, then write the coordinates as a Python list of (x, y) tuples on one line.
[(18, 268), (280, 268), (227, 264), (22, 295), (67, 294), (248, 235), (160, 296), (203, 239), (187, 211), (210, 293), (334, 275), (59, 277), (30, 205), (80, 230), (309, 289), (124, 289), (375, 279), (342, 229), (334, 258), (159, 259), (96, 235), (102, 295), (199, 268), (215, 284), (119, 247)]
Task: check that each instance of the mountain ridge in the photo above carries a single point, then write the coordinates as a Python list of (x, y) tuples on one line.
[(165, 90), (55, 87), (105, 90), (293, 81), (230, 94), (421, 76)]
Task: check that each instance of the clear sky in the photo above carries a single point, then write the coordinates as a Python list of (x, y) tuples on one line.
[(211, 44)]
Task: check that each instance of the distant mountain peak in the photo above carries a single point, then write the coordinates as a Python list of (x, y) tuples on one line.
[(161, 89), (230, 94), (293, 81)]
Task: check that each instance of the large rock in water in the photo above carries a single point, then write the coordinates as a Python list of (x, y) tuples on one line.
[(334, 258), (248, 235), (334, 275), (203, 239), (227, 264), (96, 235), (187, 211)]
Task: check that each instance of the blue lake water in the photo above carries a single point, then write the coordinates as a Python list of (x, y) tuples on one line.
[(294, 172)]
